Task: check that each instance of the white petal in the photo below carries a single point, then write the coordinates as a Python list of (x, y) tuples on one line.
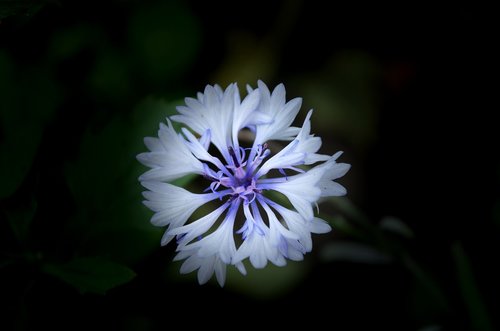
[(281, 113), (197, 228), (294, 254), (278, 97), (153, 144), (158, 174), (166, 238), (302, 190), (337, 170), (179, 202), (182, 255), (214, 110), (241, 268), (333, 171), (258, 257), (275, 226), (302, 150), (243, 111), (220, 272), (298, 225), (206, 269), (260, 246), (332, 189), (205, 266), (219, 91), (278, 260), (317, 225), (190, 264), (170, 156), (221, 241)]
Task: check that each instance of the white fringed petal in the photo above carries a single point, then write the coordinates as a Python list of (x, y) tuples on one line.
[(302, 150), (173, 205), (170, 157), (282, 114)]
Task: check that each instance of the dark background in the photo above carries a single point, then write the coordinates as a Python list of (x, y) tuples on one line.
[(404, 90)]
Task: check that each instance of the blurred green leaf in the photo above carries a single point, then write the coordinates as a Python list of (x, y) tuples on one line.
[(395, 225), (20, 219), (22, 118), (358, 223), (111, 220), (18, 7), (341, 224), (70, 41), (470, 291), (353, 252), (94, 275), (247, 61), (110, 76), (345, 97), (147, 116), (427, 284), (345, 206), (164, 39)]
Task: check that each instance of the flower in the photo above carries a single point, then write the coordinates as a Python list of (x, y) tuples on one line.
[(238, 178)]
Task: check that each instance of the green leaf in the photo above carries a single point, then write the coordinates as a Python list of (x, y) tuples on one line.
[(29, 97), (395, 225), (93, 275), (20, 219), (470, 291), (164, 40), (70, 41), (111, 220), (341, 224), (110, 77), (345, 97), (17, 7), (353, 252), (427, 283)]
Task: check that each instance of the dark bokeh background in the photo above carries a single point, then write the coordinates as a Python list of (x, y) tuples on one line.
[(403, 90)]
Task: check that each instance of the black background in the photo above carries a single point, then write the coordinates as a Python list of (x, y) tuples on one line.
[(432, 162)]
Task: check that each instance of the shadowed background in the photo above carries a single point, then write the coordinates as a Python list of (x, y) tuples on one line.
[(401, 90)]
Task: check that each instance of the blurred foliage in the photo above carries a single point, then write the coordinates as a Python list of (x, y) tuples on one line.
[(108, 222), (353, 252), (164, 39), (22, 118), (19, 7), (470, 291), (20, 218), (250, 58), (93, 275), (113, 222), (346, 97)]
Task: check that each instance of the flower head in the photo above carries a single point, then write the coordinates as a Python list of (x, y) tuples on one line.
[(240, 178)]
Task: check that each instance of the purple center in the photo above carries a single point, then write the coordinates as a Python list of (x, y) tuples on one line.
[(239, 175)]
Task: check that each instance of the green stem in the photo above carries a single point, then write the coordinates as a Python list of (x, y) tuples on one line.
[(470, 292)]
